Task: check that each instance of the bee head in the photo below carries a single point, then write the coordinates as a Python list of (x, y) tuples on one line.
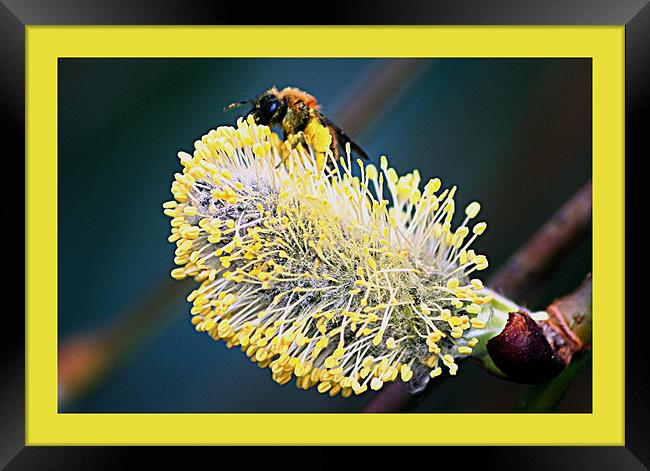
[(267, 109)]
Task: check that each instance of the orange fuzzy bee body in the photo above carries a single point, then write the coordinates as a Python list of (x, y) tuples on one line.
[(298, 114)]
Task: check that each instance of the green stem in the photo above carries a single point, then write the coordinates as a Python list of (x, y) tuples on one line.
[(545, 397)]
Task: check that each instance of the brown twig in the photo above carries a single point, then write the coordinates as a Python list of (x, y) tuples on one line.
[(393, 397), (527, 270), (572, 314), (519, 278)]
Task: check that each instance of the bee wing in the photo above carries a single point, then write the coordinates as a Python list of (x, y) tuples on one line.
[(341, 137)]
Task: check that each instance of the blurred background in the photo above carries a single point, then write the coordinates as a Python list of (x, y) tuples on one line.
[(514, 134)]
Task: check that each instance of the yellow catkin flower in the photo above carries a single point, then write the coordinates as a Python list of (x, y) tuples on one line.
[(313, 273)]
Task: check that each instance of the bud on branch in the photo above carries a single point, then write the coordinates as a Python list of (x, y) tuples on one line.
[(533, 352)]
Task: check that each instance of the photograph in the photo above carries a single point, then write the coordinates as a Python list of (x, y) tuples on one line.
[(401, 235), (324, 235), (410, 225)]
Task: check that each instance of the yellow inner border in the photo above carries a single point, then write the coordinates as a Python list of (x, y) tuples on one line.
[(605, 45)]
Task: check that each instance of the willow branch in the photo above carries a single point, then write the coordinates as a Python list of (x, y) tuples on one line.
[(571, 315), (533, 264)]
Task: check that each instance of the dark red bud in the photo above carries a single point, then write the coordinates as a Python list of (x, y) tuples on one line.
[(528, 352)]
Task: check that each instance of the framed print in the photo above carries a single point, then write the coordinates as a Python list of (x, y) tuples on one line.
[(417, 231)]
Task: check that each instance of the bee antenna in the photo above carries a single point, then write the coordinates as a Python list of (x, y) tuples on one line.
[(236, 104)]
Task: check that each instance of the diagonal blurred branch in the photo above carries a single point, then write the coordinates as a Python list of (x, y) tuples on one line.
[(526, 272), (87, 358), (368, 99), (522, 275)]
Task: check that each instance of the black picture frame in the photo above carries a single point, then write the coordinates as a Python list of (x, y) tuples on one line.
[(634, 14)]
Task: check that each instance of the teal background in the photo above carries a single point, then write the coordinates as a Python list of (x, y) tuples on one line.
[(514, 134)]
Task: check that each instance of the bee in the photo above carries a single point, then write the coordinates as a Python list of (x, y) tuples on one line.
[(298, 114)]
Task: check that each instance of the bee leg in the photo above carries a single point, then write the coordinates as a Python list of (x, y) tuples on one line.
[(284, 155), (296, 139), (290, 142)]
